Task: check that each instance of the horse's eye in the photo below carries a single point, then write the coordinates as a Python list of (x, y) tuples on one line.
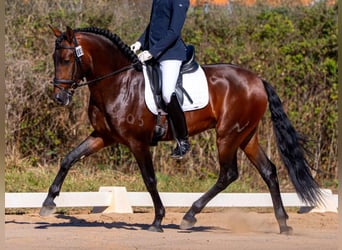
[(66, 60)]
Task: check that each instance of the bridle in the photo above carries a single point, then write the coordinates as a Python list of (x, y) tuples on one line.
[(78, 53), (76, 83)]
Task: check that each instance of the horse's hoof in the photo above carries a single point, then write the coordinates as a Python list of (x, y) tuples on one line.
[(47, 210), (286, 230), (187, 223), (155, 229)]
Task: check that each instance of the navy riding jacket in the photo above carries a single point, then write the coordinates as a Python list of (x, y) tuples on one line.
[(162, 37)]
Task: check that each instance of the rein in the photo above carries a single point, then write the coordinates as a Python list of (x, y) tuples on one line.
[(76, 85)]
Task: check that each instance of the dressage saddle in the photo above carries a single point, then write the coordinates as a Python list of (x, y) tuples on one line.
[(154, 73)]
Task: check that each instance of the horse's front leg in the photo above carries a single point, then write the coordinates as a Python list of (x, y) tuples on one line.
[(89, 146), (144, 159)]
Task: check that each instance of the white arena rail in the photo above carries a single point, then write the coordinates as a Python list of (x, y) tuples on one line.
[(118, 200)]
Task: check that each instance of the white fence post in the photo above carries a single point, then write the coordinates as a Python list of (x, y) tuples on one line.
[(119, 202)]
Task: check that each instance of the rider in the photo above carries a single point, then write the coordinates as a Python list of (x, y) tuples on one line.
[(162, 41)]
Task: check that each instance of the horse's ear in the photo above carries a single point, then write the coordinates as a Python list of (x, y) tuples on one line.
[(56, 31), (69, 34)]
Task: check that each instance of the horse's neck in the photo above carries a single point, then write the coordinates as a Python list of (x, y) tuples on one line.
[(105, 56)]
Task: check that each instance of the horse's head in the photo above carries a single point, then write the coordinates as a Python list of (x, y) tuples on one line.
[(67, 59)]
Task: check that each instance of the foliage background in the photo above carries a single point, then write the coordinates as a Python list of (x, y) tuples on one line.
[(294, 47)]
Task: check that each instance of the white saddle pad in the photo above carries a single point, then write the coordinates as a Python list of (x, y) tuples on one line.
[(194, 83)]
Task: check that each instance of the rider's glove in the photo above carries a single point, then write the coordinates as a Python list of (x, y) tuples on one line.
[(136, 46), (144, 56)]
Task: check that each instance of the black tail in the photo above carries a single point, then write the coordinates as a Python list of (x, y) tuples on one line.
[(291, 148)]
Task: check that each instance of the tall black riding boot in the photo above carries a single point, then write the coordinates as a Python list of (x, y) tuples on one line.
[(177, 122)]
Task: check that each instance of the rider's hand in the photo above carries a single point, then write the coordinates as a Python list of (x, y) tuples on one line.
[(145, 56), (136, 46)]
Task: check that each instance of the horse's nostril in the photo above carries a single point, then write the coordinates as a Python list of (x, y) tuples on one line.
[(58, 99)]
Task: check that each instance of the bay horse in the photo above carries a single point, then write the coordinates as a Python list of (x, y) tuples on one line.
[(237, 101)]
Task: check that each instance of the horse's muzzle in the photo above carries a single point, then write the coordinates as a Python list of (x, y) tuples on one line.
[(63, 98)]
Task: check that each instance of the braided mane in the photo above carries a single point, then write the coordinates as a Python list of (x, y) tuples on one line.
[(124, 48)]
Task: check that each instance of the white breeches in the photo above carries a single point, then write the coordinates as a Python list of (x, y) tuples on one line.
[(170, 71)]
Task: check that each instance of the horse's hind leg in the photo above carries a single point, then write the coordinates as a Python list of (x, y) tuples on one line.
[(268, 172), (91, 145), (228, 174)]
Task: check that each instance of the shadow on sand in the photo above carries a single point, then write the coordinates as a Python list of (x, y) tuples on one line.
[(72, 221)]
